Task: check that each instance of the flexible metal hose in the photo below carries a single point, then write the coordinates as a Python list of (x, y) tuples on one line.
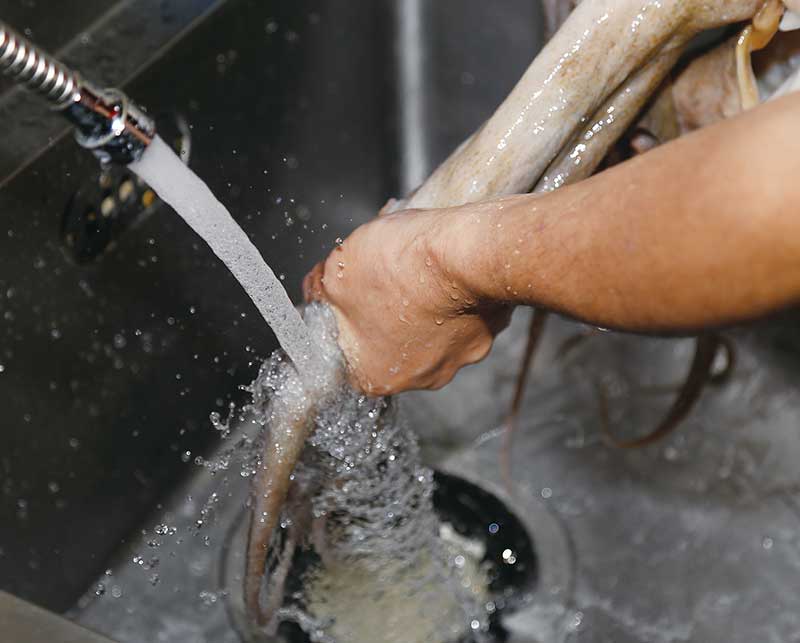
[(29, 65)]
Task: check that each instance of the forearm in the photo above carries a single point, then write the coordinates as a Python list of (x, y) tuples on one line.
[(703, 231)]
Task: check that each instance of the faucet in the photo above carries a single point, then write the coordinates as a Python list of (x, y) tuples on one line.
[(106, 121)]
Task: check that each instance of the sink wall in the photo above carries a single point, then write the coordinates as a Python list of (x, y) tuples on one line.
[(110, 368)]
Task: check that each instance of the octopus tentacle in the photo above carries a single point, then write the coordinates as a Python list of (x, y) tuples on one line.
[(580, 159), (276, 590), (755, 36), (271, 486), (700, 374), (564, 170), (535, 331)]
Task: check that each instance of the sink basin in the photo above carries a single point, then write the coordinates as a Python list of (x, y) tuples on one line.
[(110, 367), (304, 117), (693, 538)]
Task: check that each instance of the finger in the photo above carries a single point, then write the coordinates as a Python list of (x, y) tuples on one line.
[(312, 283)]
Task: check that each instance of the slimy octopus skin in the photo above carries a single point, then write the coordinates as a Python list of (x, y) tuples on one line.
[(599, 48)]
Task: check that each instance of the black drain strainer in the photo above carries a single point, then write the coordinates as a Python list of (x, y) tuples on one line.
[(472, 512)]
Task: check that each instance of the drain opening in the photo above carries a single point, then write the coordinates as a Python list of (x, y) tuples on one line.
[(470, 511)]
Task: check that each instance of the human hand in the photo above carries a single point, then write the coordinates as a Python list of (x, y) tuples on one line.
[(407, 318)]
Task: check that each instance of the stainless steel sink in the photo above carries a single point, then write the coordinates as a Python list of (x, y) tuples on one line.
[(305, 117), (297, 113), (694, 538)]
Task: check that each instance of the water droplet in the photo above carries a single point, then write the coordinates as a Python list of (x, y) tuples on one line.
[(208, 598), (671, 454), (439, 321), (428, 262)]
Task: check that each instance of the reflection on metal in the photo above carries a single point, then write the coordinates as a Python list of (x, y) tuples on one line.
[(113, 49), (114, 200), (29, 65), (411, 54), (22, 622), (105, 121)]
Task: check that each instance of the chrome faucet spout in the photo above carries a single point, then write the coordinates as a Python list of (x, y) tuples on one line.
[(105, 120)]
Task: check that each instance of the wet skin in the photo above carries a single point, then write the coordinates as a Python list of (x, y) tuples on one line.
[(697, 233)]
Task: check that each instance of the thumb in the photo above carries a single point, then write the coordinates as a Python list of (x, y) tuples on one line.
[(313, 289)]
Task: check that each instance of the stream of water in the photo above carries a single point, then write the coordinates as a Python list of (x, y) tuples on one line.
[(190, 197)]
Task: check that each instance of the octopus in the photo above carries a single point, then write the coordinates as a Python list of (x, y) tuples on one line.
[(612, 81)]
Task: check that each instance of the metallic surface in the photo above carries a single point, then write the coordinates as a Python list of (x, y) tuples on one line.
[(691, 539), (29, 65), (106, 121), (113, 40), (109, 369), (197, 592), (109, 124), (21, 622)]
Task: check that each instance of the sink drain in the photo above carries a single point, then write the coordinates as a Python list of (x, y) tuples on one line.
[(465, 506)]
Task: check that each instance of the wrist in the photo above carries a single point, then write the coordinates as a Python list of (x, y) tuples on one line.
[(467, 242)]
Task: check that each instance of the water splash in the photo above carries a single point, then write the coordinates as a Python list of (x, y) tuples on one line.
[(362, 502)]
